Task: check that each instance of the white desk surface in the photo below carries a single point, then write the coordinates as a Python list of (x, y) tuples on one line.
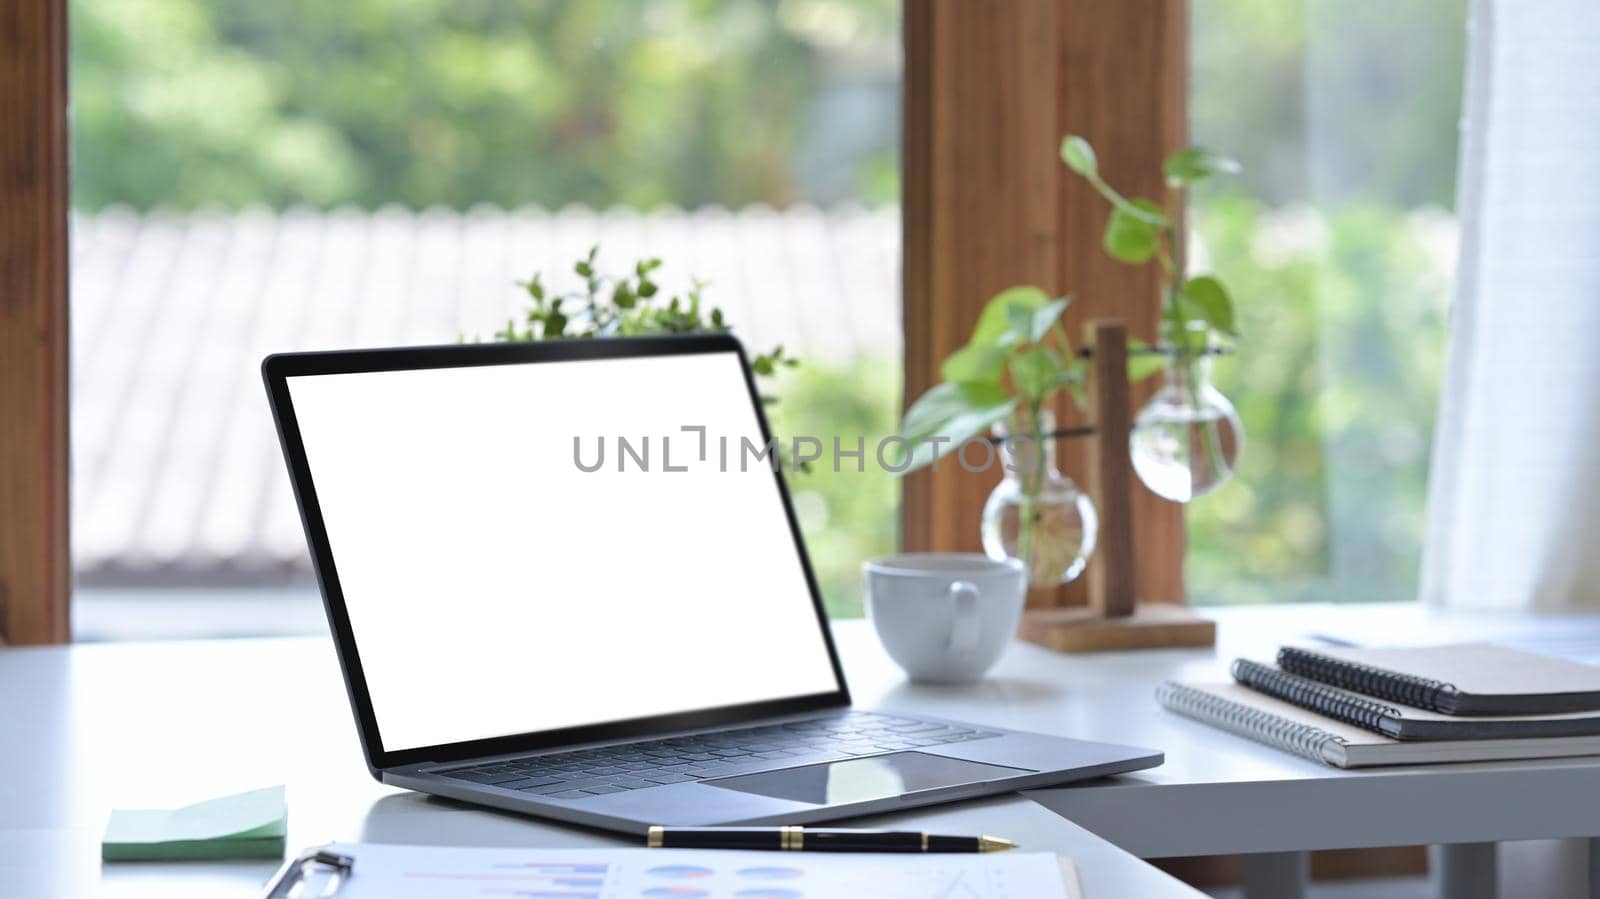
[(1218, 793), (88, 728)]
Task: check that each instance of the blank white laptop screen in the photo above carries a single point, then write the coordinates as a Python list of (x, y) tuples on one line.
[(494, 587)]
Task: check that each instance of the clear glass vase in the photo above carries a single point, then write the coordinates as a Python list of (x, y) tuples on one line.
[(1187, 439), (1037, 514)]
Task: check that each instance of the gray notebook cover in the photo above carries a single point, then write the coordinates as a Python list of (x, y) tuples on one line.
[(1460, 679), (1406, 722)]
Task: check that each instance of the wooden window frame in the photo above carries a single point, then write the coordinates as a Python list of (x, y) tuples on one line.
[(35, 563), (991, 86)]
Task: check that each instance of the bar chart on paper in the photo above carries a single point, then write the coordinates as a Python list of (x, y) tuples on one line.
[(411, 872)]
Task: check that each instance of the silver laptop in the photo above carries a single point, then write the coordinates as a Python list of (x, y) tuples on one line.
[(566, 579)]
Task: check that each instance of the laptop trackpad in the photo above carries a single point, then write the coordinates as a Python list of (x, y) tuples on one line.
[(865, 779)]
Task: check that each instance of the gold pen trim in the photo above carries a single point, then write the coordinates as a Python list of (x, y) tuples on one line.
[(924, 841), (994, 844), (791, 838), (655, 837)]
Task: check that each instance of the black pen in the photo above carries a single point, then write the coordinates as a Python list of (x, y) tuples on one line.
[(818, 840)]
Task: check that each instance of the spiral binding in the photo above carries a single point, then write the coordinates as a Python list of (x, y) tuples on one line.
[(1419, 692), (1304, 740), (1308, 694)]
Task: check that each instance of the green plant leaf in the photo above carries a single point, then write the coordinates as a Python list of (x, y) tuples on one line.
[(1045, 317), (994, 323), (1131, 238), (1141, 365), (1020, 327), (952, 413), (948, 439), (947, 401), (1208, 300), (1193, 164), (1078, 155), (1035, 372), (554, 325), (974, 364), (1073, 371), (1148, 211), (1031, 324)]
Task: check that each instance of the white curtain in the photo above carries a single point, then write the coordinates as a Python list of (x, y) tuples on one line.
[(1514, 492)]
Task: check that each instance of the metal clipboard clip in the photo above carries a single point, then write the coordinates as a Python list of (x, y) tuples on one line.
[(297, 871)]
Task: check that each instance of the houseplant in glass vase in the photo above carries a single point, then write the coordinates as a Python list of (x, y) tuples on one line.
[(1004, 381), (1184, 442), (1187, 439)]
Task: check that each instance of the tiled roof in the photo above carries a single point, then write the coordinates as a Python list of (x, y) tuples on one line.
[(177, 474)]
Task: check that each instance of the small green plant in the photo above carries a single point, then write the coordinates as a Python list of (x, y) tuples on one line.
[(625, 305), (1139, 230), (1196, 310), (1016, 361)]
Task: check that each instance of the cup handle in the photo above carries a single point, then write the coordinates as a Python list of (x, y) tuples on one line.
[(963, 617)]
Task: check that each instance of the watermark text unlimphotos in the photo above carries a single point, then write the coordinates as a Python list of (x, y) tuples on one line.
[(693, 448)]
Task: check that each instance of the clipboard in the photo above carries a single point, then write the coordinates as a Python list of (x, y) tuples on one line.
[(297, 870)]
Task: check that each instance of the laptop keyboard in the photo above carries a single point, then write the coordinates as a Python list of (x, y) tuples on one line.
[(633, 766)]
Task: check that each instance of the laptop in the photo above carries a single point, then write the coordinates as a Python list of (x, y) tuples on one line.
[(563, 579)]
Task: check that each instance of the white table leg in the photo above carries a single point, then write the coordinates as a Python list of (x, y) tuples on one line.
[(1276, 875), (1465, 870)]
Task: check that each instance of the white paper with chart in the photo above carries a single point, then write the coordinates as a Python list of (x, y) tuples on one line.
[(411, 872)]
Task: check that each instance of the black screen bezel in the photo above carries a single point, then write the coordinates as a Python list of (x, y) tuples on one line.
[(276, 369)]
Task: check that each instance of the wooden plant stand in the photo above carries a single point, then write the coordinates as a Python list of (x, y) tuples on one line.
[(1113, 619)]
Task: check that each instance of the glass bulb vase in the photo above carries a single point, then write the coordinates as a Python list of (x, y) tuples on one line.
[(1036, 514), (1186, 441)]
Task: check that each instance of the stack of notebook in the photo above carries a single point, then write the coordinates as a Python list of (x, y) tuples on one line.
[(1353, 707)]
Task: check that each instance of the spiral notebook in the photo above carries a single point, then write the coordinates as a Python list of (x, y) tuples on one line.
[(1240, 710), (1404, 722), (1462, 679)]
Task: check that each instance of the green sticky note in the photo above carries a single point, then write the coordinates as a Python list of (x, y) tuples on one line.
[(245, 825)]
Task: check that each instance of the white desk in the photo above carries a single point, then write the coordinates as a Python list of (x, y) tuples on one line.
[(88, 728), (1222, 794)]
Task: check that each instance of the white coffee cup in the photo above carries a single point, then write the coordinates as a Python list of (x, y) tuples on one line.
[(945, 617)]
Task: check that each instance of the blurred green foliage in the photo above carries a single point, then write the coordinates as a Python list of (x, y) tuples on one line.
[(1339, 249), (847, 515), (1336, 382), (1331, 101), (419, 102)]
